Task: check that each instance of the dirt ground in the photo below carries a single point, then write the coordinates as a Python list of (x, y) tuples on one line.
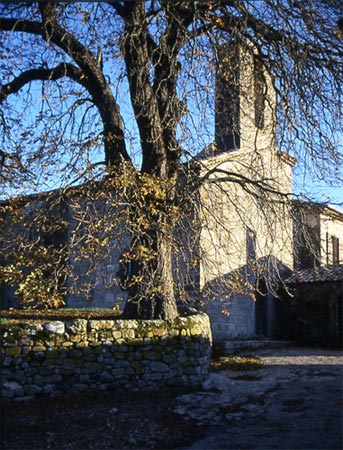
[(292, 401), (102, 420)]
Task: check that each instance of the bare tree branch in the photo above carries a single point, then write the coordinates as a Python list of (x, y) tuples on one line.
[(42, 74), (119, 7), (20, 25)]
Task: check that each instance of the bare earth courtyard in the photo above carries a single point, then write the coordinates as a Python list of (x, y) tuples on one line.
[(292, 401)]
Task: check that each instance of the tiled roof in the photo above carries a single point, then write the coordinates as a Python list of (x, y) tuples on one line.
[(316, 275)]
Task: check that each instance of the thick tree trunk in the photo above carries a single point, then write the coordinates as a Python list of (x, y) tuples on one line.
[(151, 291), (150, 281)]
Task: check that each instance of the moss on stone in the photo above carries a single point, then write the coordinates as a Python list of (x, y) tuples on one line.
[(78, 351)]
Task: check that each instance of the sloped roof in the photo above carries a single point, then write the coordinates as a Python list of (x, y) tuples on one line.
[(316, 275), (333, 212)]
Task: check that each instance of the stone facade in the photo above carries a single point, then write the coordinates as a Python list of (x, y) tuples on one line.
[(246, 237), (318, 237), (247, 240), (91, 276), (50, 358)]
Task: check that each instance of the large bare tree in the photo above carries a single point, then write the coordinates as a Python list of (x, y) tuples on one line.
[(134, 81)]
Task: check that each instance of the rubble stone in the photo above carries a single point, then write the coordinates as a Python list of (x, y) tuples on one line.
[(87, 354)]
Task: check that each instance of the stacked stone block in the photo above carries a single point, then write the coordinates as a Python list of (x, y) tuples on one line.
[(52, 358)]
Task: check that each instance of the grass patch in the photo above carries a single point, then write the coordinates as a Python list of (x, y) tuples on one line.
[(58, 314), (236, 363)]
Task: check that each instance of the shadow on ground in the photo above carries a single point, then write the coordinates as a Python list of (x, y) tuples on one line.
[(292, 401)]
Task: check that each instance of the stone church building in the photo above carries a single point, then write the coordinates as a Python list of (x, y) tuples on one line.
[(252, 235), (248, 242)]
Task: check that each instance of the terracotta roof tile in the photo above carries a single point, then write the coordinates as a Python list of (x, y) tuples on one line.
[(316, 275)]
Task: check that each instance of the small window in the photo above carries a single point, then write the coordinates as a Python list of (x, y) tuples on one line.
[(335, 250), (251, 246)]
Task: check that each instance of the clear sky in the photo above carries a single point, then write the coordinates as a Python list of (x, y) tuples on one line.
[(195, 135), (318, 190)]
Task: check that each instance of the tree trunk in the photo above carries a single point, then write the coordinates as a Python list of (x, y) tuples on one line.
[(151, 287), (150, 278)]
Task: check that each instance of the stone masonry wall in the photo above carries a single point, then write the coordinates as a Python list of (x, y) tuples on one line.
[(51, 358), (239, 323)]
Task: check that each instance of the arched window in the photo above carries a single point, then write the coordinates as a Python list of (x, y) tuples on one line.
[(260, 87)]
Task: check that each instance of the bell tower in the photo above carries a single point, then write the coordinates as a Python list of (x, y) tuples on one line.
[(244, 101)]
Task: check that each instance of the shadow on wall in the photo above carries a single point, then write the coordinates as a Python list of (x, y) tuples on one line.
[(245, 303)]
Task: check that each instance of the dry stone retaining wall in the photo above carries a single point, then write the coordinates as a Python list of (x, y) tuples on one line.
[(76, 355)]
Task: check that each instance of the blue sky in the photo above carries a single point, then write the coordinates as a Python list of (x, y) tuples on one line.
[(194, 136)]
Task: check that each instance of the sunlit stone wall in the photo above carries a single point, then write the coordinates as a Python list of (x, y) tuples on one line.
[(55, 357)]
